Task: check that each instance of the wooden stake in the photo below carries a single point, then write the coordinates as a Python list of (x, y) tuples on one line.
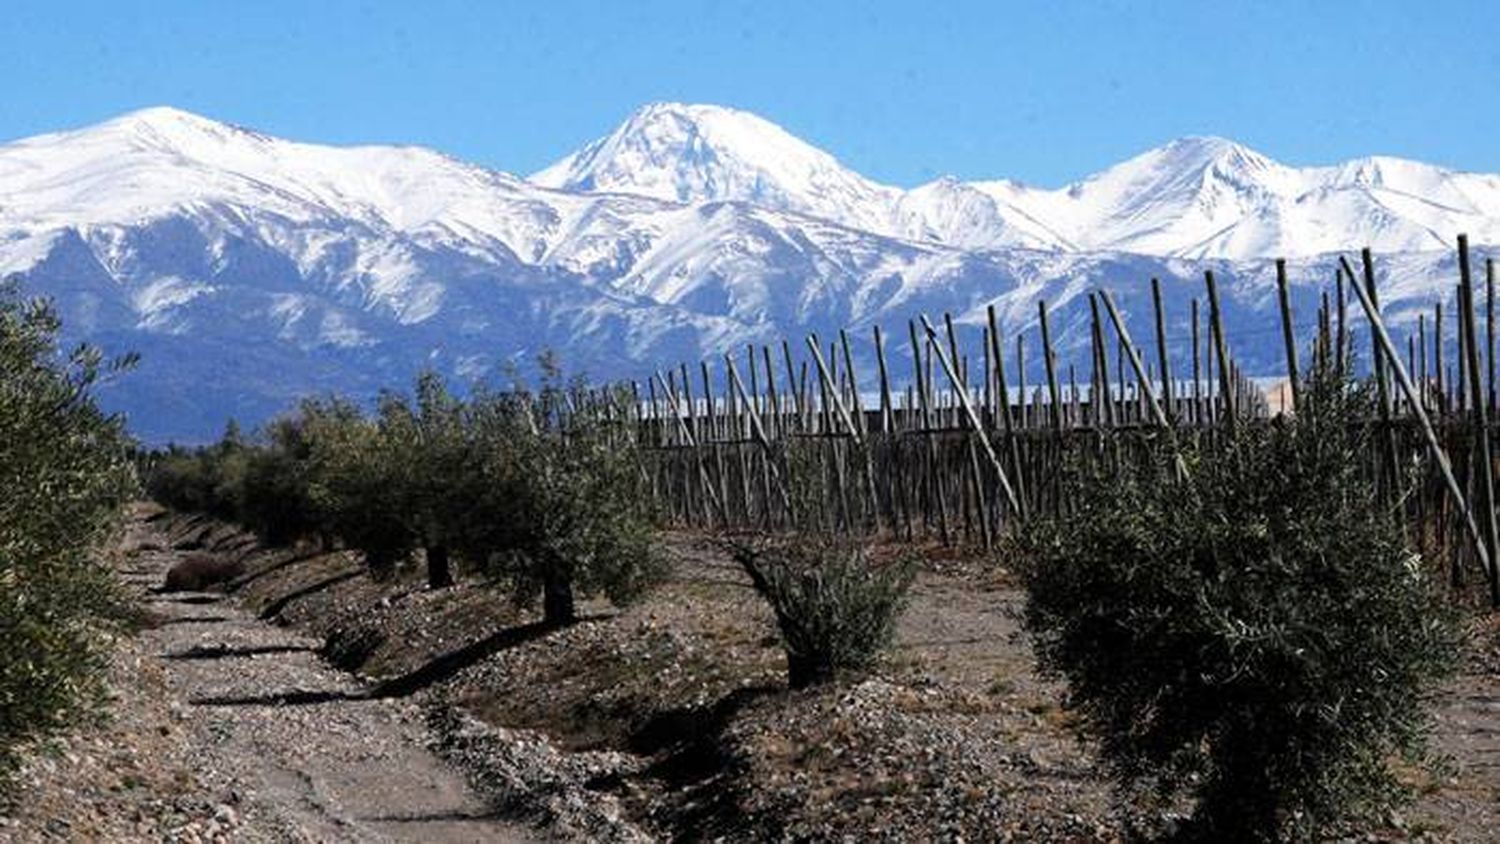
[(1388, 348), (1049, 358), (984, 440), (1163, 358), (1481, 424), (1288, 337), (1216, 325)]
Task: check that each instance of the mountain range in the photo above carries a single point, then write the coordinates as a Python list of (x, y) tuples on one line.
[(250, 270)]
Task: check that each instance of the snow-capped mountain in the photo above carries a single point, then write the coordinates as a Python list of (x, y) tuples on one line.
[(699, 153), (250, 270), (1194, 197)]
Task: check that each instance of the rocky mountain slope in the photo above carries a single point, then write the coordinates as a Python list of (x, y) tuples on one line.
[(250, 270)]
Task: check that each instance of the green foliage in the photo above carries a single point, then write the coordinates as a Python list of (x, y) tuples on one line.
[(355, 483), (836, 610), (205, 480), (64, 472), (516, 485), (425, 439), (557, 504), (1257, 634), (276, 496)]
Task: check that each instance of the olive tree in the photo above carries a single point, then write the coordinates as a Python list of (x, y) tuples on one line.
[(355, 483), (1256, 633), (64, 472), (556, 505), (424, 436)]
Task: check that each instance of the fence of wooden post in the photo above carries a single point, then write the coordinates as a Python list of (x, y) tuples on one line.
[(1439, 456), (984, 440), (1481, 424)]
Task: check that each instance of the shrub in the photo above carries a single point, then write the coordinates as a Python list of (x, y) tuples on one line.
[(1256, 634), (835, 609), (64, 472), (198, 571)]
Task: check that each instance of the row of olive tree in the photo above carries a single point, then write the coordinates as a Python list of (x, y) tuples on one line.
[(508, 485), (65, 470)]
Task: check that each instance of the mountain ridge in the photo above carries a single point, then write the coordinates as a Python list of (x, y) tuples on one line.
[(1195, 196), (250, 270)]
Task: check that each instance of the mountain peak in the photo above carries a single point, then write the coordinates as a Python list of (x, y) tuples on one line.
[(1194, 153), (708, 153), (169, 123), (161, 115)]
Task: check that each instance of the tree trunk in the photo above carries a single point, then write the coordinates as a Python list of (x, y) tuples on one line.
[(803, 671), (557, 600), (439, 572), (381, 566)]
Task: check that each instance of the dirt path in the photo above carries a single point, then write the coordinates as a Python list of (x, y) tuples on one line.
[(335, 770)]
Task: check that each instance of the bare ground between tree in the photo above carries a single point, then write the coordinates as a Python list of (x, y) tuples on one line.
[(165, 767), (669, 719), (674, 712)]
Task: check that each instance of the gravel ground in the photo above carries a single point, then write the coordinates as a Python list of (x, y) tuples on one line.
[(198, 748), (666, 720)]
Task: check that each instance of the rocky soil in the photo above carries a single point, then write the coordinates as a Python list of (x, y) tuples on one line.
[(203, 744), (666, 720)]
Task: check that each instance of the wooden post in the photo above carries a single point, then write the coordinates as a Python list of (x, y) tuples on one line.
[(916, 368), (1197, 371), (1163, 357), (759, 432), (1103, 406), (1341, 353), (1140, 372), (1489, 317), (1325, 334), (1437, 357), (859, 410), (677, 412), (885, 383), (791, 379), (775, 397), (1216, 325), (1461, 386), (1422, 356), (1049, 359), (1288, 337), (1411, 351), (832, 391), (1439, 456), (984, 440), (1021, 372), (997, 351), (1003, 404), (1382, 380), (1481, 424)]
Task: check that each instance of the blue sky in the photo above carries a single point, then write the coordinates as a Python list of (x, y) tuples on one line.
[(903, 92)]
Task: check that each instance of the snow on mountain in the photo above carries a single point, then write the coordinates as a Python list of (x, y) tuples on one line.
[(1208, 197), (250, 270), (701, 153), (1194, 197)]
